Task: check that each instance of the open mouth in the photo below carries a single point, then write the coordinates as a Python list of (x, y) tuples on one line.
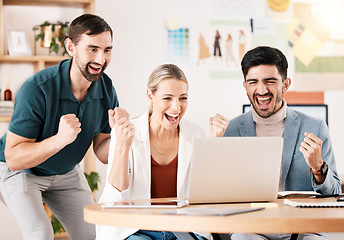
[(263, 102), (95, 68), (172, 118)]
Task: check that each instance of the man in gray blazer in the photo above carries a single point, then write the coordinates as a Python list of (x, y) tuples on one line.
[(308, 162)]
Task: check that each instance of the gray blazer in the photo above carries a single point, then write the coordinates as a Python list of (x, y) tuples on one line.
[(294, 167)]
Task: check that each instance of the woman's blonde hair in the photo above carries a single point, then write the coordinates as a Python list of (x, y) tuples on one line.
[(165, 71)]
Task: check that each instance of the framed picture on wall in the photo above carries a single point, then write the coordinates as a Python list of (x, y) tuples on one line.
[(17, 42)]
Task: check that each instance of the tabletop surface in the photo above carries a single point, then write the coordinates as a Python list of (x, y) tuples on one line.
[(275, 218)]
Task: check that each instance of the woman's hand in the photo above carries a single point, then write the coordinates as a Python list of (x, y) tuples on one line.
[(125, 132), (116, 114)]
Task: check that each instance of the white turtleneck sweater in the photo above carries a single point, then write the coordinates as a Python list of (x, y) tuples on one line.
[(272, 126)]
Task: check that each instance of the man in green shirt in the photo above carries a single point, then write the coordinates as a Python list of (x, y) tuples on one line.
[(58, 113)]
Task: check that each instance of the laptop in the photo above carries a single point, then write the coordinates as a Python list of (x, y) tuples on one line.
[(235, 169)]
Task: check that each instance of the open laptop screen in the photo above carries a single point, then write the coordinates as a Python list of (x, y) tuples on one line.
[(235, 169)]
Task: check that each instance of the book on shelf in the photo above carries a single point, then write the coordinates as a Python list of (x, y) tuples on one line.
[(6, 104), (6, 112)]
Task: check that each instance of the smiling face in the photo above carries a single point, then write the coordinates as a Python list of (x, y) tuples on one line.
[(265, 88), (92, 54), (169, 103)]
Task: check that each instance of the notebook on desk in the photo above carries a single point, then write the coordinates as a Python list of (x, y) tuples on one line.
[(235, 169)]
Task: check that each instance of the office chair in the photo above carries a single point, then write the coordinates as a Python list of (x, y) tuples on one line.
[(9, 227)]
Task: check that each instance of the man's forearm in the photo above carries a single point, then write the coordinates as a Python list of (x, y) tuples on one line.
[(29, 154)]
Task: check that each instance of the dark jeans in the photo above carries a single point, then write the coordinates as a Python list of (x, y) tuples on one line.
[(156, 235)]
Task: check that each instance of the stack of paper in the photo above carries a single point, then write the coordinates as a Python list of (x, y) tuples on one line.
[(6, 108), (312, 204), (285, 194)]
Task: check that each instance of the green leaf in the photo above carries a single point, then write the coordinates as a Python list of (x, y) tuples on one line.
[(64, 31), (57, 226), (54, 47), (93, 179), (39, 36), (46, 23)]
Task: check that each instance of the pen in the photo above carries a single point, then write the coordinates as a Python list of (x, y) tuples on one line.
[(327, 195), (251, 23)]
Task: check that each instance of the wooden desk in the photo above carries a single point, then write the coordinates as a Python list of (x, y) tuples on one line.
[(278, 219)]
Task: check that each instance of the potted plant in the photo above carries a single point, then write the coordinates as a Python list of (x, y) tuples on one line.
[(52, 35)]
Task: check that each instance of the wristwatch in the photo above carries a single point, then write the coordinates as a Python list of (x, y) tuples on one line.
[(323, 170)]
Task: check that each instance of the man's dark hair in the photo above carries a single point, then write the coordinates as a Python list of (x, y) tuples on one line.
[(265, 56), (89, 24)]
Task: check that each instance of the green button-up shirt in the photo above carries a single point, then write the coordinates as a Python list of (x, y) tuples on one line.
[(44, 98)]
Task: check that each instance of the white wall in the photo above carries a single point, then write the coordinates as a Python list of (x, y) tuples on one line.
[(139, 28), (139, 47)]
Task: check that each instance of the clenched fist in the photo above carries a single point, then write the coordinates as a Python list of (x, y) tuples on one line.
[(117, 114), (69, 128), (218, 125)]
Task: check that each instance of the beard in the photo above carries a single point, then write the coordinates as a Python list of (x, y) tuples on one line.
[(267, 114), (84, 69), (91, 77)]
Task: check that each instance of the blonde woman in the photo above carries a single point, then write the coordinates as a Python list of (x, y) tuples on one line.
[(149, 156)]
